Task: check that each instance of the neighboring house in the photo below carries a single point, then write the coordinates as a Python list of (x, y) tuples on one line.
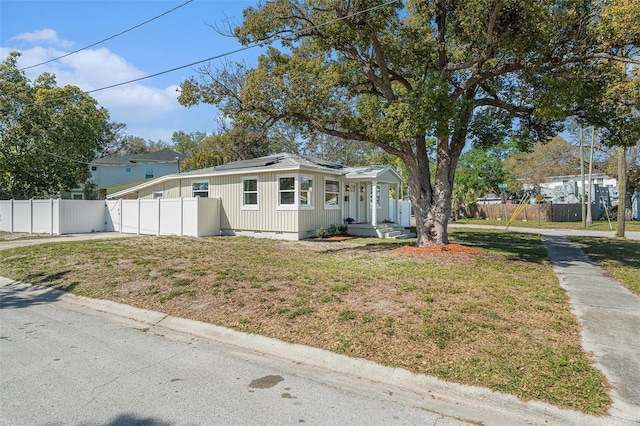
[(287, 196), (567, 189), (110, 172)]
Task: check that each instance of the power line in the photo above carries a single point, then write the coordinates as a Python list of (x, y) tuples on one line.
[(251, 46), (242, 49), (60, 156), (108, 38), (216, 57)]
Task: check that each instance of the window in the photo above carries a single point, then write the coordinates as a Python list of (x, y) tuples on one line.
[(200, 189), (148, 173), (250, 193), (377, 196), (306, 194), (287, 191), (94, 168), (76, 196), (156, 194), (331, 194), (127, 169)]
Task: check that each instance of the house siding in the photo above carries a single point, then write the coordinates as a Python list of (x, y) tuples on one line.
[(266, 219)]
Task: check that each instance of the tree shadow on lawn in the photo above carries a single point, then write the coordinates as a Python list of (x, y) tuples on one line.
[(626, 253), (516, 247)]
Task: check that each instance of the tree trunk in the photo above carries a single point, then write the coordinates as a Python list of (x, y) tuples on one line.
[(431, 201), (622, 191)]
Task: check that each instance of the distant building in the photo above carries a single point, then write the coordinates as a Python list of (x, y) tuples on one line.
[(119, 171)]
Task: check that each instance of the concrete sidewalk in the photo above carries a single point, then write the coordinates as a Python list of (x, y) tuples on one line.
[(632, 235), (610, 319)]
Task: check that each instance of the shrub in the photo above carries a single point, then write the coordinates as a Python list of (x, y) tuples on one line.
[(321, 232), (332, 229), (343, 229)]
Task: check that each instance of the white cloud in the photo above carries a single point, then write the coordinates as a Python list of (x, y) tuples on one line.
[(92, 69), (46, 35)]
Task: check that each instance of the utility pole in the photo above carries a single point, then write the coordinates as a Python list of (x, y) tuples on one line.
[(622, 190), (590, 184), (583, 210)]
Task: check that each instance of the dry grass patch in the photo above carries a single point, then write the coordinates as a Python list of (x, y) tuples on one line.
[(497, 318)]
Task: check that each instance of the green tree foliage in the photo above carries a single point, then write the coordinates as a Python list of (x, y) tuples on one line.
[(121, 143), (617, 115), (48, 134), (399, 74), (479, 173), (558, 157)]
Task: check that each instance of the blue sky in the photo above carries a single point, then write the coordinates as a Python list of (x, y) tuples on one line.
[(42, 30)]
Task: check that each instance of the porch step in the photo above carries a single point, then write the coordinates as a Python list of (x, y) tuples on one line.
[(395, 232)]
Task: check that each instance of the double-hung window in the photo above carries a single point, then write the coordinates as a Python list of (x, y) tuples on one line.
[(306, 192), (250, 193), (331, 194), (286, 191), (200, 189)]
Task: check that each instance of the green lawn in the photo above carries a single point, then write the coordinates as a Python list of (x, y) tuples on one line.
[(621, 257), (497, 319), (598, 225)]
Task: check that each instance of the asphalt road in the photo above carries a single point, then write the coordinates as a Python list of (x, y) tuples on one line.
[(63, 364)]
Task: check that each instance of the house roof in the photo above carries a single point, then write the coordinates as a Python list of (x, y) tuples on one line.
[(165, 155), (281, 162)]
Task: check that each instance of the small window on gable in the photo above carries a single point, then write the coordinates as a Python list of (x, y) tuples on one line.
[(250, 193), (200, 189), (287, 191), (127, 169), (94, 168), (157, 194), (306, 192), (148, 173), (331, 194)]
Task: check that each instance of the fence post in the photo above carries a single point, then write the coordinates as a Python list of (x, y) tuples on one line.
[(51, 213), (181, 216), (12, 214), (138, 219), (31, 215), (158, 233), (120, 213)]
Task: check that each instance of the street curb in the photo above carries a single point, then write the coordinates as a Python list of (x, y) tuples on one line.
[(466, 403)]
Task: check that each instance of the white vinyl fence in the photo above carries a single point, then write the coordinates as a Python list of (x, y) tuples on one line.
[(196, 217), (404, 212), (181, 216)]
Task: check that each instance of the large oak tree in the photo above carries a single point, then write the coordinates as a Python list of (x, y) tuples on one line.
[(48, 134), (401, 74)]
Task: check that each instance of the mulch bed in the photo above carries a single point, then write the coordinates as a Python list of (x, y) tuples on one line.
[(444, 249)]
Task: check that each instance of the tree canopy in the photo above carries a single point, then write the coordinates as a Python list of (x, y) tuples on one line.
[(48, 134), (399, 74)]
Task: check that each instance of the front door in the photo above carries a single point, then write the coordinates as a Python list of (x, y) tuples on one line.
[(362, 202), (353, 202)]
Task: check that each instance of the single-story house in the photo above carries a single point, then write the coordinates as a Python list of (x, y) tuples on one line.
[(287, 196)]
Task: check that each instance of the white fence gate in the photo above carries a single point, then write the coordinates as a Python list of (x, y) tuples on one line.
[(196, 217), (405, 212)]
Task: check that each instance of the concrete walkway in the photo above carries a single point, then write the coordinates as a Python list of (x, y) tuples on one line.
[(610, 319), (632, 235)]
